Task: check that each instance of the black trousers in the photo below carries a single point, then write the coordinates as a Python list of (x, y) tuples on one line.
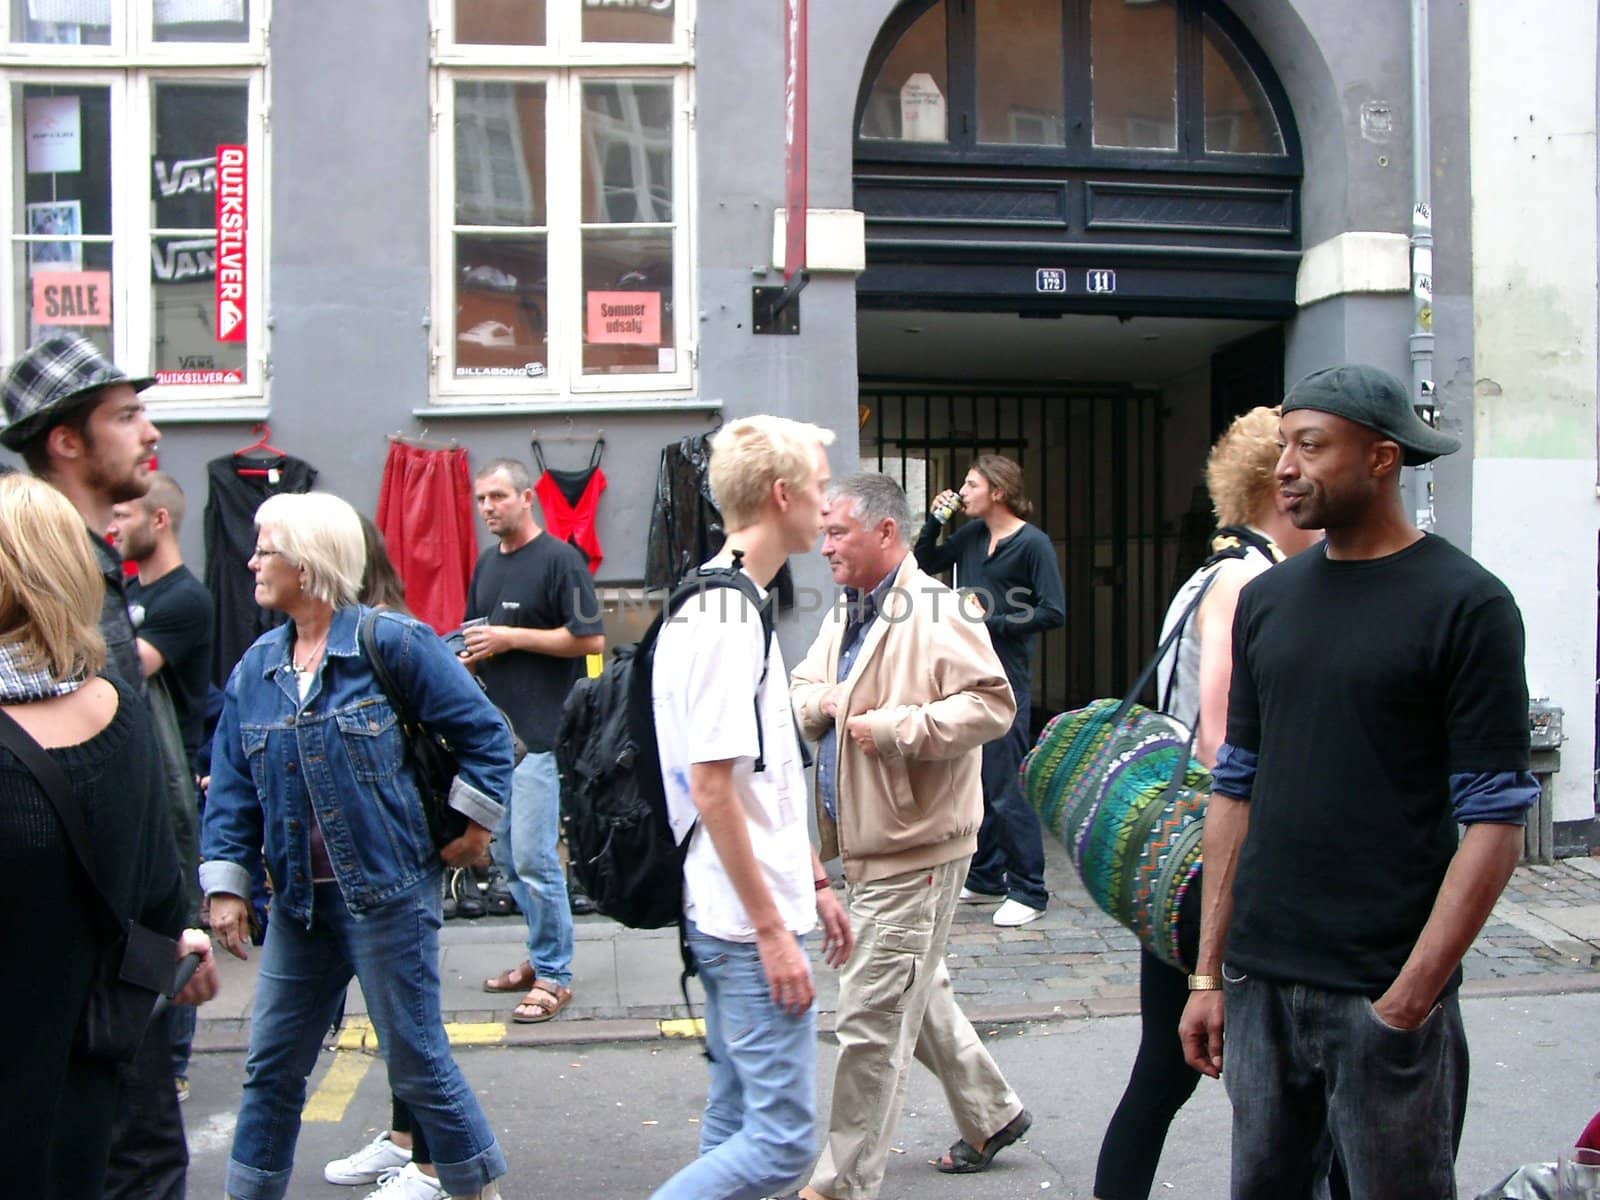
[(149, 1155)]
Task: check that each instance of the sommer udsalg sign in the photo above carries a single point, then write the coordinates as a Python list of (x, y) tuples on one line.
[(231, 224), (628, 317)]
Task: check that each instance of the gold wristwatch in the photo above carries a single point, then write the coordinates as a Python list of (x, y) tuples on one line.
[(1205, 983)]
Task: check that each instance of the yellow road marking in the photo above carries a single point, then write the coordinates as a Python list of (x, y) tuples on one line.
[(338, 1086), (358, 1034), (682, 1027)]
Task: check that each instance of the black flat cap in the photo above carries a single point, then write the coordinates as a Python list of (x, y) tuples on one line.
[(1372, 397)]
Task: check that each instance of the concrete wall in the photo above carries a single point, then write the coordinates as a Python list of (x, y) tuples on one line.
[(1535, 512)]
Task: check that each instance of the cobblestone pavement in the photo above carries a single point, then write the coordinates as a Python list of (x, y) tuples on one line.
[(1544, 937)]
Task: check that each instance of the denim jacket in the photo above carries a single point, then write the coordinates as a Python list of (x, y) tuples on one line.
[(342, 755)]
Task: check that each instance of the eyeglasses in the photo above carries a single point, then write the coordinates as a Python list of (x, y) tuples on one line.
[(261, 552)]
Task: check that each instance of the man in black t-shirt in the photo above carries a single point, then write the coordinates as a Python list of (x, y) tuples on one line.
[(171, 614), (538, 617), (172, 609), (1378, 699)]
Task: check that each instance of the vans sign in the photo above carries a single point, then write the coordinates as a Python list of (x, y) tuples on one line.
[(231, 224)]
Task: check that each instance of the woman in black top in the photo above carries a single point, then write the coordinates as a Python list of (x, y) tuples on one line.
[(1011, 567), (97, 732)]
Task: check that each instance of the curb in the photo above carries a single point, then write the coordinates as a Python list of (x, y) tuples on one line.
[(232, 1036)]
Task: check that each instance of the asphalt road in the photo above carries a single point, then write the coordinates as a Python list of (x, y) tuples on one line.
[(592, 1122)]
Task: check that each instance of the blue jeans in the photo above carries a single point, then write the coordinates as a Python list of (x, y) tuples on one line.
[(1304, 1067), (1010, 856), (758, 1132), (525, 849), (393, 950)]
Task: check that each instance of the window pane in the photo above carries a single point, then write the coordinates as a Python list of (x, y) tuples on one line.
[(501, 307), (628, 20), (500, 153), (1134, 60), (70, 294), (188, 123), (500, 22), (1239, 119), (627, 302), (61, 22), (1019, 72), (627, 152), (62, 153), (907, 101), (202, 20)]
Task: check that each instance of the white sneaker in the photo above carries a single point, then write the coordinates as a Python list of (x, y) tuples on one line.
[(409, 1183), (1011, 914), (369, 1163), (968, 896)]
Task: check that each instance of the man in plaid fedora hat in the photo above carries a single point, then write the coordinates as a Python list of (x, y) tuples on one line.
[(78, 422)]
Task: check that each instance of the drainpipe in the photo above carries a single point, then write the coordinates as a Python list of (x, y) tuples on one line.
[(1422, 391)]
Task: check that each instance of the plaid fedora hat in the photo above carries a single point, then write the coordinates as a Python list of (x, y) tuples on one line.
[(50, 380), (1372, 397)]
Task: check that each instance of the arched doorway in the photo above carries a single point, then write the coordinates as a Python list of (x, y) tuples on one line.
[(1083, 231)]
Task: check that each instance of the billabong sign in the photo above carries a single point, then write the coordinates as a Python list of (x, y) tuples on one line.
[(232, 212)]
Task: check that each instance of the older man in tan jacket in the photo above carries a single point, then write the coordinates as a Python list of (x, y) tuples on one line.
[(900, 690)]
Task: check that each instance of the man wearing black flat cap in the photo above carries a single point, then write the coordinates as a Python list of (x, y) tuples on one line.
[(1378, 699)]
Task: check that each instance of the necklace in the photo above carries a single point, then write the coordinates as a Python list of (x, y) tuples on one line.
[(310, 658)]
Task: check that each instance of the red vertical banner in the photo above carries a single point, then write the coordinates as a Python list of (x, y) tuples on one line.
[(232, 220), (794, 135)]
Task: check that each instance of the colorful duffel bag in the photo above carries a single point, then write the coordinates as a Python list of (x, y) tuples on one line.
[(1118, 784)]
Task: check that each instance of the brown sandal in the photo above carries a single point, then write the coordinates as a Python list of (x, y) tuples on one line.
[(518, 979), (542, 1002)]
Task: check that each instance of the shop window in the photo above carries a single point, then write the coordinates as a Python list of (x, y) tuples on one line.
[(134, 176), (1070, 82), (1239, 117), (1133, 55), (1020, 97), (908, 98), (564, 261)]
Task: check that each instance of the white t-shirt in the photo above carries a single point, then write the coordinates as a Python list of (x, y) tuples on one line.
[(707, 664)]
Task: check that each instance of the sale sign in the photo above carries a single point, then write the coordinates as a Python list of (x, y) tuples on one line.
[(231, 224), (628, 317), (72, 297)]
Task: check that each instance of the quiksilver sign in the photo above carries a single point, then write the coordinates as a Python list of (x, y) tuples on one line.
[(232, 176)]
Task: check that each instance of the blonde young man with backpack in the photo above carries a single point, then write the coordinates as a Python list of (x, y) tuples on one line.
[(752, 885)]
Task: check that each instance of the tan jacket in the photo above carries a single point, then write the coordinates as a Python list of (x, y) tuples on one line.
[(937, 692)]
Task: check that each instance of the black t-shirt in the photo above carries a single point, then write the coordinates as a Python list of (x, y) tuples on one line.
[(177, 622), (1019, 584), (543, 585), (1363, 686)]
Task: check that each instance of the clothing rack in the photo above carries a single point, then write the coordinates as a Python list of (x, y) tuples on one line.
[(422, 442), (571, 434)]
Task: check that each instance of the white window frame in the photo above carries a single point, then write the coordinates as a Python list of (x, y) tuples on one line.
[(131, 78), (563, 67)]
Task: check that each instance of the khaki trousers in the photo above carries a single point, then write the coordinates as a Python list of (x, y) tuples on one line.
[(895, 1001)]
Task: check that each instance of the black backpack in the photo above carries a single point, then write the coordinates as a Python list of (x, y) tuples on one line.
[(613, 805)]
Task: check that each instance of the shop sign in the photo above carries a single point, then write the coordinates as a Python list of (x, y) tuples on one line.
[(72, 297), (53, 134), (633, 318), (922, 112), (178, 260), (192, 376), (231, 224)]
